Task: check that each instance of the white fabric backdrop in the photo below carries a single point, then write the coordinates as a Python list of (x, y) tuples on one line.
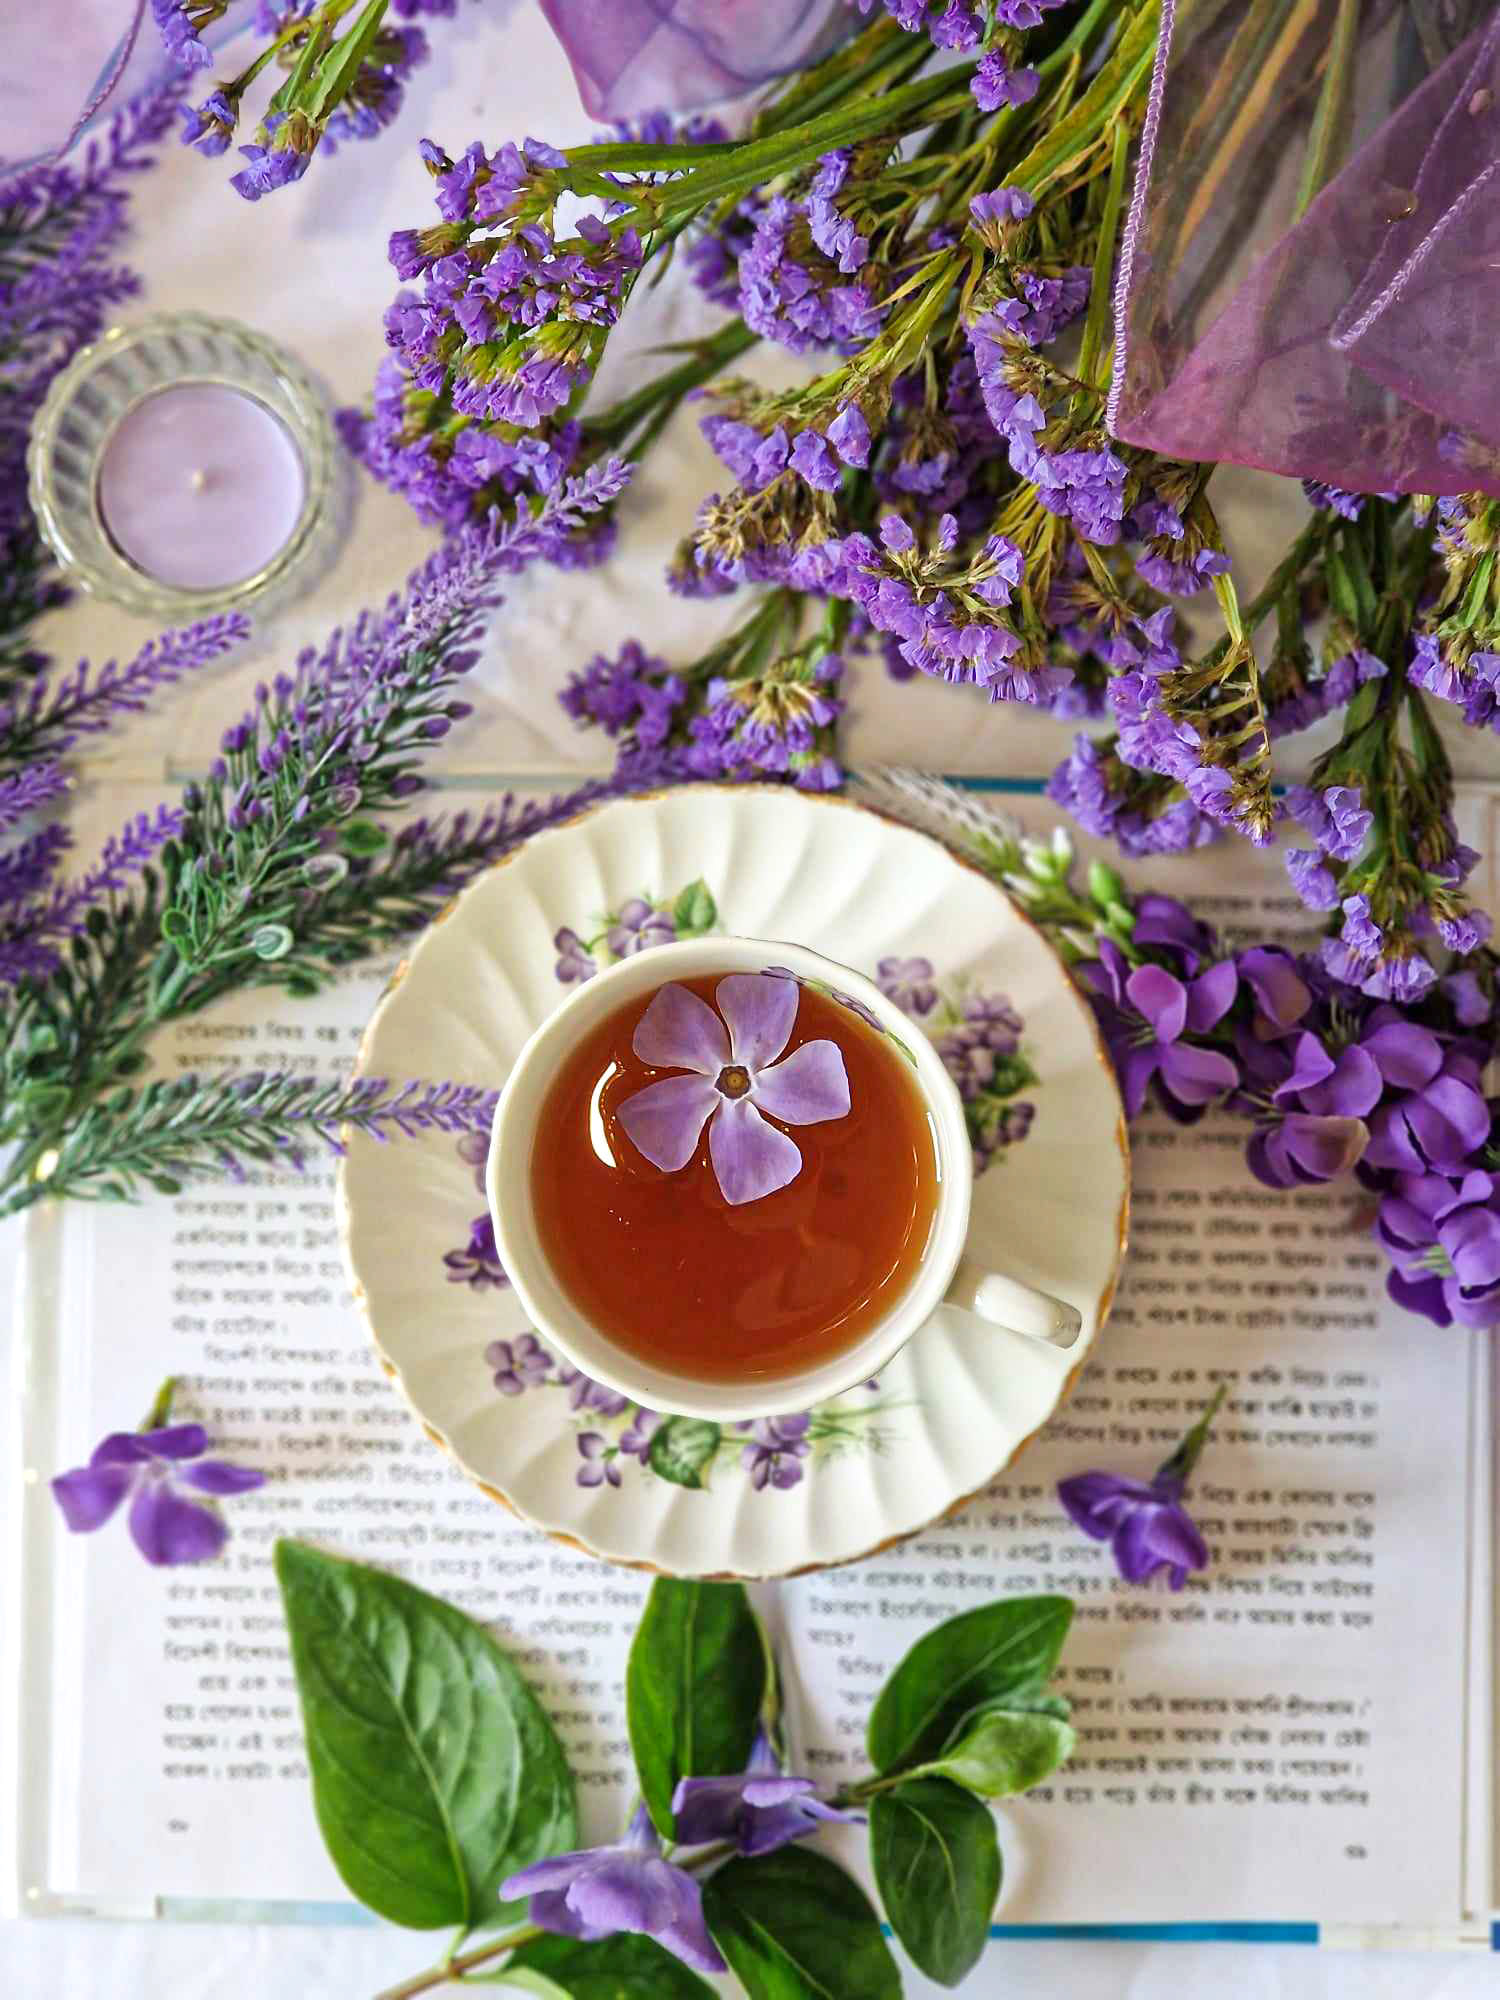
[(307, 266)]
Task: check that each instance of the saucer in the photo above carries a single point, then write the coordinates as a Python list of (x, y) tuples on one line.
[(961, 1399)]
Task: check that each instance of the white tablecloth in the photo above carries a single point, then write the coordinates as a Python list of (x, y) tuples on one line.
[(308, 267)]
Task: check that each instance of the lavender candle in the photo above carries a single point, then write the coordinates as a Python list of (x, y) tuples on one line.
[(182, 465), (200, 487)]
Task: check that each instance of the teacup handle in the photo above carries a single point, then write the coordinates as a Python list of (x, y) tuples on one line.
[(1008, 1303)]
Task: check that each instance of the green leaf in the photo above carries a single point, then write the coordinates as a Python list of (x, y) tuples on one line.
[(695, 910), (435, 1771), (937, 1866), (998, 1649), (681, 1448), (693, 1687), (616, 1968), (1001, 1750), (794, 1926), (362, 837), (341, 65)]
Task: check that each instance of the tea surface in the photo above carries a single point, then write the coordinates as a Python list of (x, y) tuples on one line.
[(682, 1277)]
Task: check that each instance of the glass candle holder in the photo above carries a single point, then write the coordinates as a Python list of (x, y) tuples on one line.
[(183, 465)]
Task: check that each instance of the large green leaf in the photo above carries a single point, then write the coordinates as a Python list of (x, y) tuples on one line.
[(937, 1866), (1000, 1750), (435, 1771), (693, 1687), (681, 1448), (794, 1926), (616, 1968), (998, 1649)]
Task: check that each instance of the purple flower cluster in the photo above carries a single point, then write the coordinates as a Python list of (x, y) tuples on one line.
[(791, 291), (1333, 690), (1473, 687)]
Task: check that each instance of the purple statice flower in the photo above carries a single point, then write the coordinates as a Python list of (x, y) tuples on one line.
[(600, 1461), (210, 126), (1312, 878), (600, 1891), (997, 82), (833, 233), (282, 160), (908, 981), (1335, 690), (178, 28), (731, 1077), (849, 434), (1147, 1526), (478, 1264), (584, 1393), (1337, 500), (1442, 1233), (378, 89), (1387, 967), (793, 296), (1006, 204), (773, 1457), (1180, 576), (760, 1810), (1335, 817), (1474, 688), (151, 1468), (776, 724), (635, 693), (1146, 1012), (575, 962), (638, 926), (518, 1365)]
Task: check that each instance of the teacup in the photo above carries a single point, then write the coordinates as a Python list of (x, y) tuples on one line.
[(944, 1275)]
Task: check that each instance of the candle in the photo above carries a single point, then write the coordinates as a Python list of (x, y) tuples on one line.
[(200, 486)]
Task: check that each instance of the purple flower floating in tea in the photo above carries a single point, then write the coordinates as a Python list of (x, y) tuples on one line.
[(1146, 1525), (600, 1891), (150, 1467), (733, 1077), (760, 1810)]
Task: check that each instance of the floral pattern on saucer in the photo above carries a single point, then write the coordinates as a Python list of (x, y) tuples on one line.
[(978, 1035)]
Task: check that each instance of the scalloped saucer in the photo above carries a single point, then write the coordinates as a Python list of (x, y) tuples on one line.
[(1050, 1197)]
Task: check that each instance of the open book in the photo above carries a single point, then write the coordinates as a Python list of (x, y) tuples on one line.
[(1297, 1745)]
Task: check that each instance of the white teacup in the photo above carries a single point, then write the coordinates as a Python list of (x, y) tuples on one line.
[(944, 1275)]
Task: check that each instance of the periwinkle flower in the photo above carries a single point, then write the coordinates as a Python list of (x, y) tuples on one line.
[(151, 1467), (1146, 1524), (600, 1891), (478, 1264), (732, 1077), (760, 1810), (777, 1446), (1145, 1012)]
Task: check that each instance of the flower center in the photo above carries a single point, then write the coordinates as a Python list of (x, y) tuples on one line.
[(733, 1080)]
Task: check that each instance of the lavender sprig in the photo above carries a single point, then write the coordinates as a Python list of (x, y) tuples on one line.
[(157, 1135)]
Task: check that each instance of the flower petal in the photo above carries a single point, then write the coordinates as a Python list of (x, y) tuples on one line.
[(1211, 995), (547, 1877), (119, 1448), (1406, 1055), (1354, 1088), (751, 1158), (176, 1441), (1195, 1076), (1137, 1065), (625, 1892), (809, 1087), (680, 1031), (1324, 1148), (665, 1120), (687, 1935), (216, 1475), (1159, 999), (705, 1809), (1175, 1538), (761, 1012), (90, 1495), (169, 1529), (550, 1912)]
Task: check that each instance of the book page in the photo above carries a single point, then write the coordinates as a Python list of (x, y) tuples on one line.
[(1284, 1740)]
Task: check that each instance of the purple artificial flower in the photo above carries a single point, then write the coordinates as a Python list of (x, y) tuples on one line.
[(518, 1365), (760, 1810), (639, 926), (1443, 1236), (908, 981), (1145, 1012), (478, 1264), (575, 962), (1147, 1526), (600, 1891), (732, 1075), (151, 1467), (777, 1446)]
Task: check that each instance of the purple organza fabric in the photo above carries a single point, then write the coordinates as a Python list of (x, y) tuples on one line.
[(631, 56), (1355, 345)]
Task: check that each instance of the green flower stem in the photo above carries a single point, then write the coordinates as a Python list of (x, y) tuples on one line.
[(1182, 1461), (161, 1410), (1095, 342), (457, 1966), (1109, 96)]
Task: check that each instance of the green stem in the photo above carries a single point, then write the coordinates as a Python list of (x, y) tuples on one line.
[(455, 1968), (1325, 141), (1097, 323)]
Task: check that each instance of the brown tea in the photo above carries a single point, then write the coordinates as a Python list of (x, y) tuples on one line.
[(723, 1194)]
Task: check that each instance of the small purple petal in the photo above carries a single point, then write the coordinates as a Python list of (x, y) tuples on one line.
[(1406, 1055), (91, 1495), (1211, 996), (761, 1012), (1159, 999), (809, 1087), (176, 1441), (214, 1475), (168, 1529), (119, 1448), (680, 1031), (665, 1120), (625, 1892), (1196, 1076), (750, 1157)]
